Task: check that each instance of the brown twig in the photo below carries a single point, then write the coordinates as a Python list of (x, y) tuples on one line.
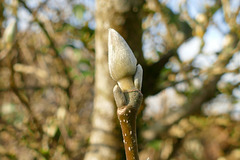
[(53, 46), (128, 104), (66, 72), (205, 94), (24, 100), (32, 87)]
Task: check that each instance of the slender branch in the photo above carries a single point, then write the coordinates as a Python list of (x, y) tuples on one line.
[(24, 100), (159, 8), (6, 52), (230, 17), (66, 72), (31, 88), (128, 104), (205, 94), (178, 144)]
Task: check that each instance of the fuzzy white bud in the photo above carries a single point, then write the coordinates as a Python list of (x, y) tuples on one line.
[(122, 62)]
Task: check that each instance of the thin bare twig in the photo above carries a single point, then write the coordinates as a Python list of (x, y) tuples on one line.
[(24, 100), (31, 88), (53, 46), (205, 94), (128, 104)]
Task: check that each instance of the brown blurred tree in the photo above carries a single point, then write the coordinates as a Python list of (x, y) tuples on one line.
[(125, 17), (47, 79)]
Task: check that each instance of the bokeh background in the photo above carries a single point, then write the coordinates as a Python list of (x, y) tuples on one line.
[(56, 97)]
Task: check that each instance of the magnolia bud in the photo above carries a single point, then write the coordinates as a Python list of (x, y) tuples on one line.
[(122, 62)]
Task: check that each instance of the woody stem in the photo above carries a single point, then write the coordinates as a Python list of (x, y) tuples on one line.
[(127, 116)]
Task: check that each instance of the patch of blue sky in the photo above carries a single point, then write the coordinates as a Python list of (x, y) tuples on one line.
[(8, 14), (204, 61), (213, 39), (149, 48), (210, 2), (35, 27), (219, 20), (74, 21), (87, 16), (92, 24), (173, 65), (152, 40), (90, 4), (51, 15), (157, 104), (34, 4), (234, 4), (238, 19), (174, 5), (155, 26), (7, 22), (236, 92), (24, 19), (198, 6), (234, 62), (235, 113), (153, 105), (188, 50), (77, 43), (59, 4), (195, 7), (219, 105), (231, 78)]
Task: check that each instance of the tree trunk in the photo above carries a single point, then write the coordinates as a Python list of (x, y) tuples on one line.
[(123, 16), (1, 16)]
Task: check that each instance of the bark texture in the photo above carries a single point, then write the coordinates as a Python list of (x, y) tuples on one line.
[(123, 16), (1, 16)]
